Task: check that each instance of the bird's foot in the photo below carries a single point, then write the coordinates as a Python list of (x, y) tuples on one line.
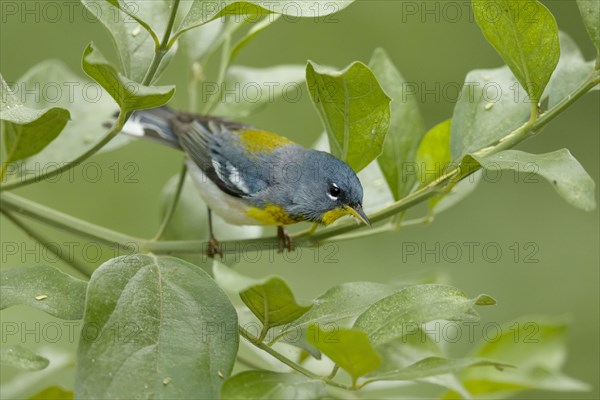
[(214, 248), (285, 241)]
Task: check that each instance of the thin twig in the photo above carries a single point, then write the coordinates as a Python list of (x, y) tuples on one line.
[(289, 362), (173, 205), (12, 202), (84, 269), (163, 49)]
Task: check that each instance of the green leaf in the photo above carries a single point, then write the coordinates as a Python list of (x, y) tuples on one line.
[(433, 366), (525, 34), (350, 349), (536, 347), (134, 12), (155, 327), (128, 94), (401, 312), (491, 105), (135, 45), (26, 131), (433, 154), (590, 13), (91, 109), (406, 127), (341, 302), (258, 88), (45, 288), (271, 385), (22, 358), (570, 73), (202, 12), (354, 109), (273, 303), (53, 393), (559, 168)]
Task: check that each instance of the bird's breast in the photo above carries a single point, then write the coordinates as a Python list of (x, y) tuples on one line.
[(235, 210), (272, 214)]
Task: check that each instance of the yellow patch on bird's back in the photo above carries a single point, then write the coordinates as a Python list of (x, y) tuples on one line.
[(256, 141), (333, 215), (271, 215)]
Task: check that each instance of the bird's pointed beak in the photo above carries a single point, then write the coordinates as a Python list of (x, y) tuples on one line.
[(358, 213)]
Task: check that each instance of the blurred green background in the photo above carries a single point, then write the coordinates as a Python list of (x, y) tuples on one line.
[(436, 46)]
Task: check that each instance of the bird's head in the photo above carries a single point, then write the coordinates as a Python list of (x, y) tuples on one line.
[(331, 190)]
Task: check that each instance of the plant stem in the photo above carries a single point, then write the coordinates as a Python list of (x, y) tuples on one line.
[(49, 216), (163, 49), (14, 203), (67, 166), (388, 227), (173, 205), (405, 203), (510, 140), (3, 169), (289, 362), (334, 371), (46, 244), (160, 52)]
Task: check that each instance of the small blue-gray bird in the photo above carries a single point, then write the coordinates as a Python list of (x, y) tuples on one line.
[(250, 176)]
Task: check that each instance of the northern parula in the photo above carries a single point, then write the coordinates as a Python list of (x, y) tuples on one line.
[(250, 176)]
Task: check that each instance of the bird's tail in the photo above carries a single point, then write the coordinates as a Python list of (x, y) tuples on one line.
[(154, 124)]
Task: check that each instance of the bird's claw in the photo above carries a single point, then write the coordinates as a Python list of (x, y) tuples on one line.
[(214, 248), (285, 241)]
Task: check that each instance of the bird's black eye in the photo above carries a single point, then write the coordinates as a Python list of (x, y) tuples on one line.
[(334, 191)]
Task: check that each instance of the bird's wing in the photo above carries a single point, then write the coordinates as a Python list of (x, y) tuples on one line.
[(214, 146)]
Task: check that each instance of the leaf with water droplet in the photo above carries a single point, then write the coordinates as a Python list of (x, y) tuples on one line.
[(135, 46), (173, 321), (475, 127), (44, 288)]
